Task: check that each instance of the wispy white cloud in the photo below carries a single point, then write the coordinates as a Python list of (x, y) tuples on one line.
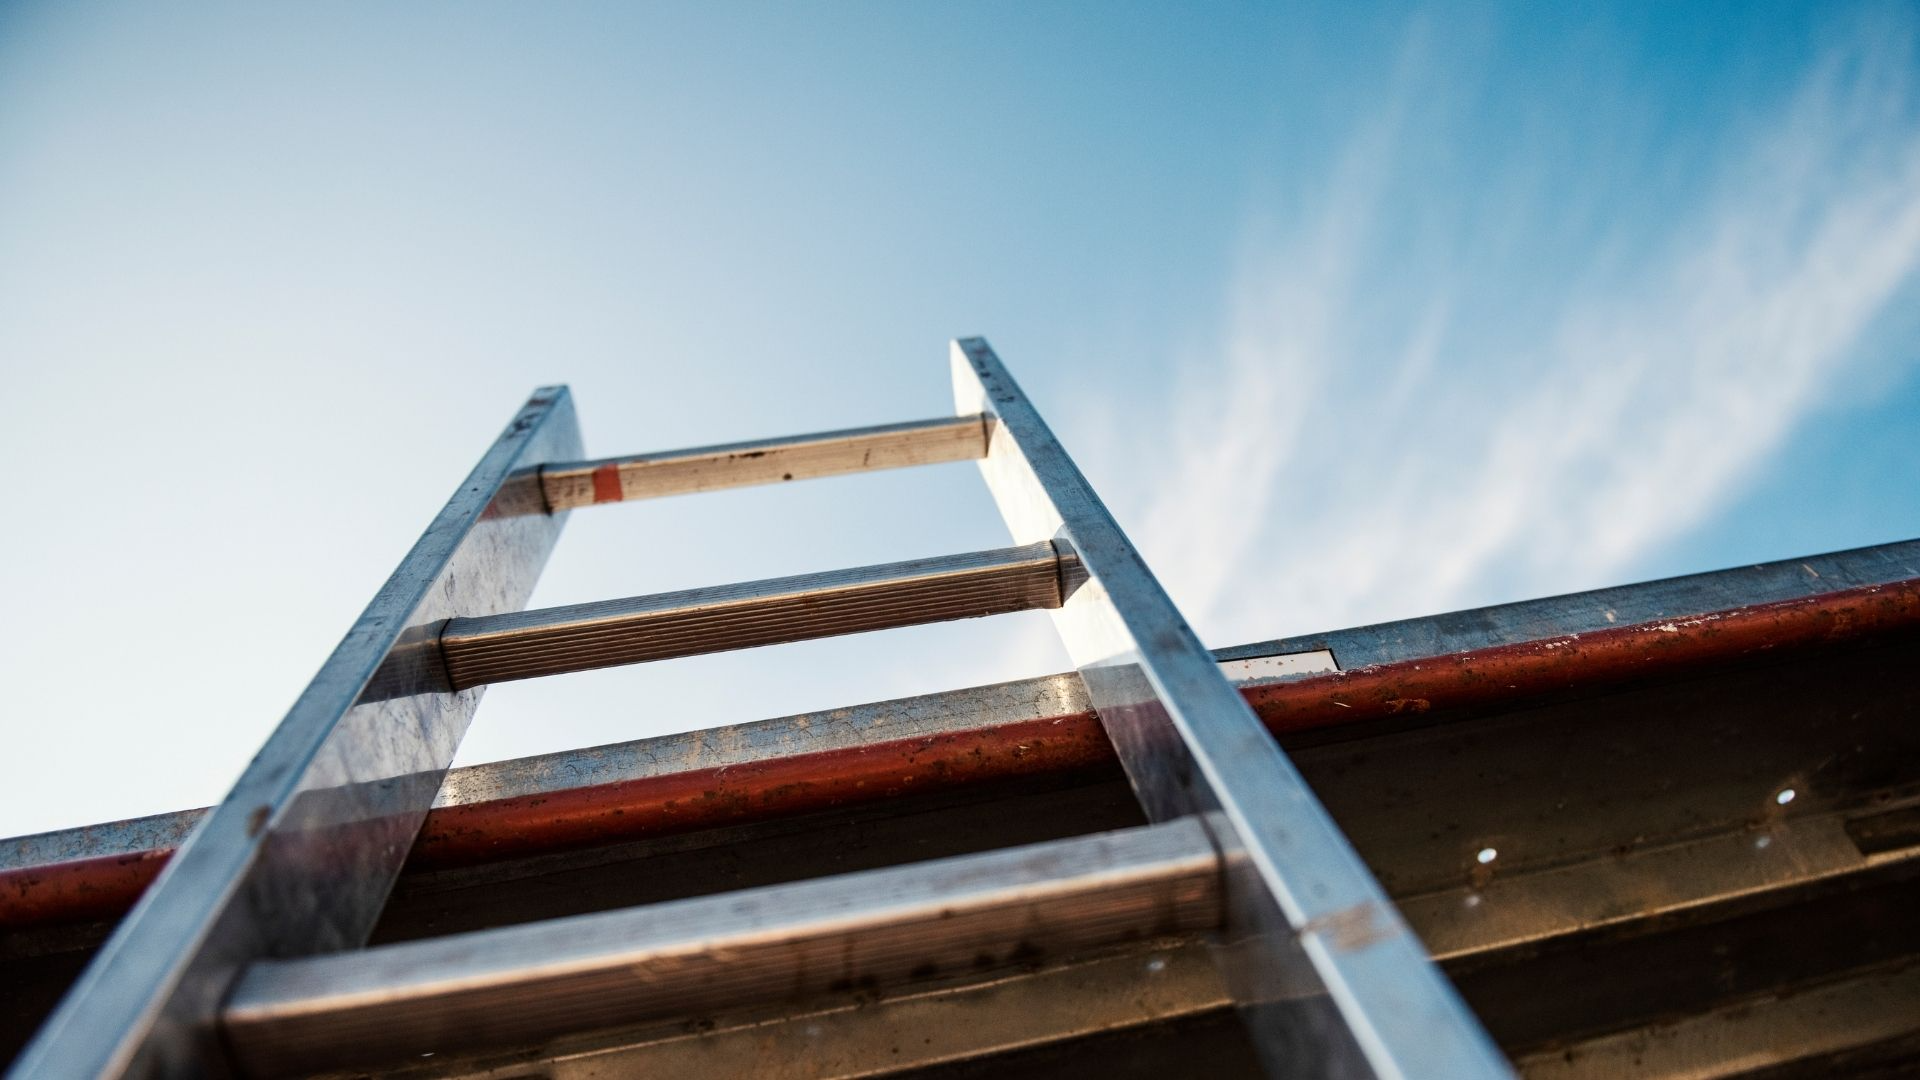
[(1361, 450)]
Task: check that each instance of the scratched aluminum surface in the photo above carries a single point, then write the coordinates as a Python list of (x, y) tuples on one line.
[(301, 854), (763, 461), (742, 615), (980, 912)]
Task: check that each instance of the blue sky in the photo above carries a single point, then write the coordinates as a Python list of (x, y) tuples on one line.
[(1351, 315)]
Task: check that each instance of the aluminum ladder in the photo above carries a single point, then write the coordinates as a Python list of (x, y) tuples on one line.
[(246, 955)]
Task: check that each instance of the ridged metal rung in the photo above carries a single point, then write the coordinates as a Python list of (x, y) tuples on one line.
[(608, 633), (523, 984), (765, 461)]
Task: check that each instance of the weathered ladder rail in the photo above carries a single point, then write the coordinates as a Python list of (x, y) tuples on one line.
[(298, 859)]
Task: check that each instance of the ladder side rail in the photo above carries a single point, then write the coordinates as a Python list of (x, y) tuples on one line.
[(1325, 971), (300, 856)]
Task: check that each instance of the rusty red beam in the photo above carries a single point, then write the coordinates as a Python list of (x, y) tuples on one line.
[(757, 791), (1506, 676), (80, 890), (1512, 675)]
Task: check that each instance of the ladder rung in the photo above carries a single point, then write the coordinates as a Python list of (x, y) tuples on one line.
[(521, 984), (765, 461), (607, 633)]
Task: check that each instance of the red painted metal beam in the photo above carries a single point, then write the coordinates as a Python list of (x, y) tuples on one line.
[(1508, 676)]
